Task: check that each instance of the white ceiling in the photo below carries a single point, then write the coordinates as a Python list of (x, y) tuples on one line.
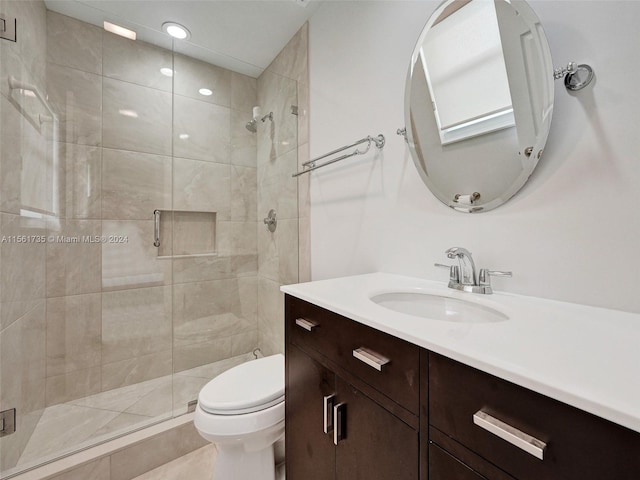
[(241, 35)]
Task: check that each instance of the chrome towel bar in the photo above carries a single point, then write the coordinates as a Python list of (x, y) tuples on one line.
[(311, 164)]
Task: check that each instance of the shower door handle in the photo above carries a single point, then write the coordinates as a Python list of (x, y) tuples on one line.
[(156, 233)]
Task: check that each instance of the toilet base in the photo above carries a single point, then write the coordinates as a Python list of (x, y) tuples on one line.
[(235, 463)]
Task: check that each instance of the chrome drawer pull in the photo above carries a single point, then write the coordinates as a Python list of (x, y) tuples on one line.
[(327, 412), (510, 434), (306, 324), (371, 358)]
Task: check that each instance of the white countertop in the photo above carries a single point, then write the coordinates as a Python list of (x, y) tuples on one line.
[(584, 356)]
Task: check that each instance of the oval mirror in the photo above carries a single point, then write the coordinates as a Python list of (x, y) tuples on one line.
[(478, 101)]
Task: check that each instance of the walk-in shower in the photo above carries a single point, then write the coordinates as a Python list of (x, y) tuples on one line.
[(112, 317)]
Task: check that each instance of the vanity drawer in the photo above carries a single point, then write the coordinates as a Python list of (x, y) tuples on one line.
[(578, 445), (443, 466), (337, 338), (449, 460)]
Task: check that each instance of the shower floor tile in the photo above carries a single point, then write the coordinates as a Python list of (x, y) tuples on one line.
[(63, 427), (126, 398), (71, 426)]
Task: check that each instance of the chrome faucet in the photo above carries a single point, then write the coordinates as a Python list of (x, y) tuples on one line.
[(463, 276), (467, 271)]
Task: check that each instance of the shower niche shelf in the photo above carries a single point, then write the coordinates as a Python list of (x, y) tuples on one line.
[(183, 234)]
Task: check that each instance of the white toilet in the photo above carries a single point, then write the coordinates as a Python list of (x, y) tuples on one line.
[(242, 412)]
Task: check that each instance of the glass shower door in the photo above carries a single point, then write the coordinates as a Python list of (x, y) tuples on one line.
[(85, 301)]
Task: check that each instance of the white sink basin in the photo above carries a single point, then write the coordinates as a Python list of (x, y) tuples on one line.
[(437, 307)]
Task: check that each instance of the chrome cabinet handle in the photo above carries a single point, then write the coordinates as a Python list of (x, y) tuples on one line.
[(156, 235), (515, 437), (327, 412), (306, 324), (340, 418), (371, 358)]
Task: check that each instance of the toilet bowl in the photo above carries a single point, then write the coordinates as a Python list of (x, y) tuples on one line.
[(242, 412)]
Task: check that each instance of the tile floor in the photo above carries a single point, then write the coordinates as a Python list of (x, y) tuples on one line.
[(197, 465), (77, 424)]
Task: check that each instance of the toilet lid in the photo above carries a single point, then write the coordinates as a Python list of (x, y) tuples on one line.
[(246, 388)]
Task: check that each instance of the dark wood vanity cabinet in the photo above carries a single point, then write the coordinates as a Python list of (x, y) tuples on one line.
[(470, 409), (424, 416), (368, 435)]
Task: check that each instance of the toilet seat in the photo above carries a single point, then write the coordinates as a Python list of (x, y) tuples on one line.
[(249, 387), (227, 428)]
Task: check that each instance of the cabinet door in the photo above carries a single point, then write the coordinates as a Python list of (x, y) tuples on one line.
[(376, 444), (310, 452)]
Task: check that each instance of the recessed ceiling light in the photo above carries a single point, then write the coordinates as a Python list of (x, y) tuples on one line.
[(118, 30), (176, 30), (167, 72), (205, 91), (183, 136)]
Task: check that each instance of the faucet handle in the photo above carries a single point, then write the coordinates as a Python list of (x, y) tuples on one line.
[(454, 272), (498, 273), (485, 273)]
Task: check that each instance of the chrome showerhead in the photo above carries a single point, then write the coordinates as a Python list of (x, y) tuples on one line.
[(252, 126)]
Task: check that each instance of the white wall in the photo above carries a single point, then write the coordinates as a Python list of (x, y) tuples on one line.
[(571, 233)]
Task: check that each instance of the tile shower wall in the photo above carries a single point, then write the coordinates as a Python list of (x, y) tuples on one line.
[(79, 318), (26, 163), (282, 145), (133, 140)]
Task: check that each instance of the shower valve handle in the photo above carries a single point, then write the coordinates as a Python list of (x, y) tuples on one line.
[(271, 220)]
